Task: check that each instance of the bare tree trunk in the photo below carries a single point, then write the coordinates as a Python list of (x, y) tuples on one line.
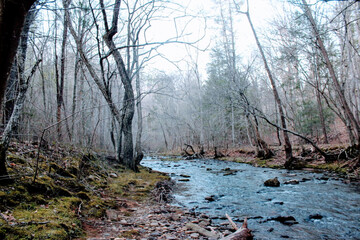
[(60, 80), (128, 100), (164, 135), (287, 143), (318, 100), (74, 98), (14, 120), (124, 119), (138, 148), (338, 88)]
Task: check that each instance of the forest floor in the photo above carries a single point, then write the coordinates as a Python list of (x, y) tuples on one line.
[(79, 194)]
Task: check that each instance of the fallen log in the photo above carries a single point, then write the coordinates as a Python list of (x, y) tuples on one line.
[(242, 233)]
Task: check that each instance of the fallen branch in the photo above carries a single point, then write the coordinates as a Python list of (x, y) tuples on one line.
[(232, 222), (202, 231), (242, 233)]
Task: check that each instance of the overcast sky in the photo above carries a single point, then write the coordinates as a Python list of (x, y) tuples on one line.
[(262, 11)]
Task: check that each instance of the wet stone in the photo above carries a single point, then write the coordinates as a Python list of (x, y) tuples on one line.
[(315, 216), (194, 235), (184, 180), (292, 182), (184, 176), (273, 182)]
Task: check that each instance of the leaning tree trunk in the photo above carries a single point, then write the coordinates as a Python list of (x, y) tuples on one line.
[(287, 143), (338, 88)]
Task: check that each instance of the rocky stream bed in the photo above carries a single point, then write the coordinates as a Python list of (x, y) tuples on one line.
[(306, 205)]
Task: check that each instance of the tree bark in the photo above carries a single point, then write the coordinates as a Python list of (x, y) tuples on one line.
[(12, 89), (138, 149), (128, 100), (12, 15), (60, 81), (14, 120)]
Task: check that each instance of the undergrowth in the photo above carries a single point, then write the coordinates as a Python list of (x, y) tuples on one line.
[(69, 187)]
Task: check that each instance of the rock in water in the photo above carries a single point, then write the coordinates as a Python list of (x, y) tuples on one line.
[(274, 182), (210, 198), (292, 182)]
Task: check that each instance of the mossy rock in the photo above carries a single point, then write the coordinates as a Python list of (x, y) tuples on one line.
[(15, 158), (60, 171), (38, 187), (72, 184), (61, 191), (13, 198), (274, 182)]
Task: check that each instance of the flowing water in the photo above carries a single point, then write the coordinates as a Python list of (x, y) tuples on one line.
[(323, 207)]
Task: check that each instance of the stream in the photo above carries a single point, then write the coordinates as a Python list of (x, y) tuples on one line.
[(323, 207)]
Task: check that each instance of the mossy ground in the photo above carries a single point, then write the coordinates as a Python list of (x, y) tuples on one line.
[(136, 186), (70, 187)]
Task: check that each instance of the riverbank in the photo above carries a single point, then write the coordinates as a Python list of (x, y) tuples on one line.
[(80, 194), (306, 159), (345, 166)]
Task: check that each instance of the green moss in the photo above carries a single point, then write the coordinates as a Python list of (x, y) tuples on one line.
[(61, 171), (333, 167), (83, 196), (11, 157), (58, 220), (136, 186)]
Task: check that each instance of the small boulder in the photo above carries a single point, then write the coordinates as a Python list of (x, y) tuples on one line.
[(210, 198), (274, 182), (315, 216), (184, 176), (184, 180)]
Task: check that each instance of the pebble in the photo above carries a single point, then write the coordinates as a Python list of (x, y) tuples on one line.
[(194, 235), (113, 175), (154, 224)]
